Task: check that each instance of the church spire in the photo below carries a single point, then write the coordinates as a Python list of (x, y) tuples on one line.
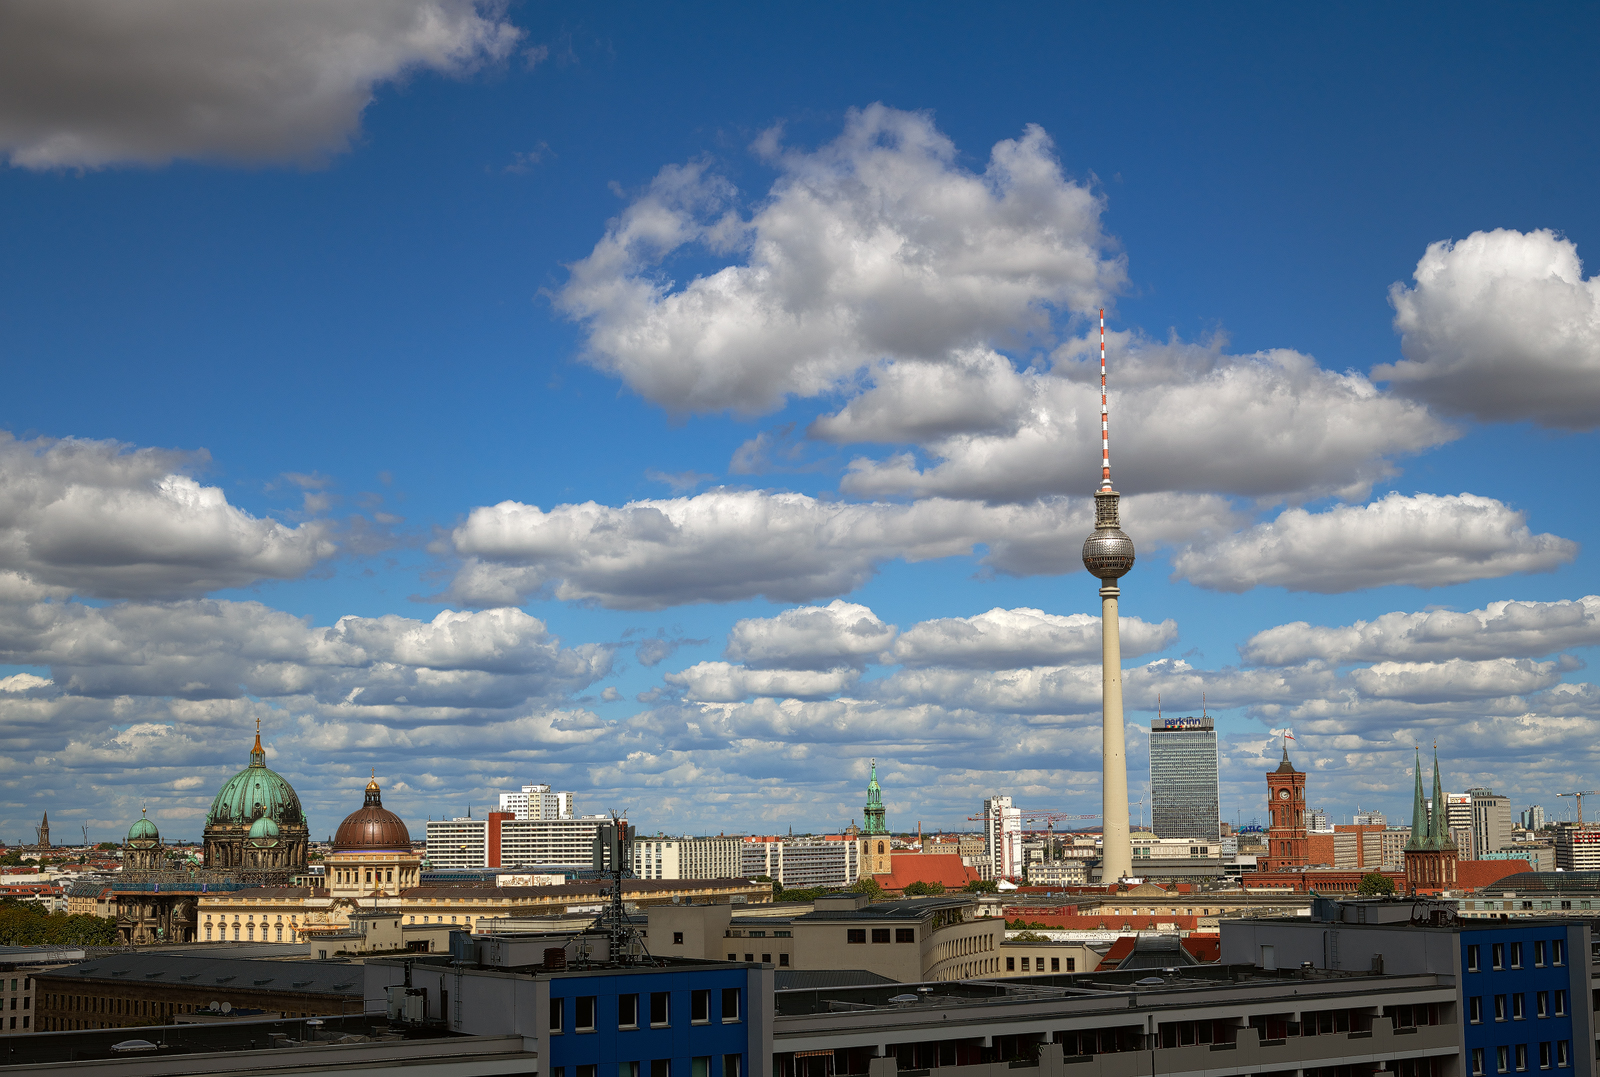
[(258, 754), (1439, 830), (872, 814), (1419, 813)]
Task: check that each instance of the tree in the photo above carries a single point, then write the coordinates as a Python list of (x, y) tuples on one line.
[(922, 889), (1028, 936), (107, 845), (981, 886), (867, 885), (1375, 884)]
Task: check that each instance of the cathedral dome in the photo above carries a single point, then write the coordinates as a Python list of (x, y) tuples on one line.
[(143, 831), (263, 832), (256, 792), (372, 828)]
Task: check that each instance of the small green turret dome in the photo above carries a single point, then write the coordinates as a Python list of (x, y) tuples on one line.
[(263, 829), (143, 830)]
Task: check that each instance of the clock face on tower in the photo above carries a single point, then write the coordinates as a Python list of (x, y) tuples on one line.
[(1283, 794)]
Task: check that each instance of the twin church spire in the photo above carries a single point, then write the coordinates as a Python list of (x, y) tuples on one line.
[(1430, 830)]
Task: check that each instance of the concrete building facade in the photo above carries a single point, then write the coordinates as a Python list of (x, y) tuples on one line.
[(1184, 798), (686, 858)]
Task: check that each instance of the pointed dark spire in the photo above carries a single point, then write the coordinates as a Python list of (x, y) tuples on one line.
[(258, 754), (1419, 813), (1439, 833)]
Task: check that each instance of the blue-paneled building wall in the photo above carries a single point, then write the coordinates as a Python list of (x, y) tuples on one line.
[(1521, 986)]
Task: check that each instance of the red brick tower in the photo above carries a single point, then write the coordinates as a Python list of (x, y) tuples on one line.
[(1286, 807)]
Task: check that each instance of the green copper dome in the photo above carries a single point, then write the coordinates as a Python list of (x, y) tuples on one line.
[(143, 830), (256, 792), (263, 829)]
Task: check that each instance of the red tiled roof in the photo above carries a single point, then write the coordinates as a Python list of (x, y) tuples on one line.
[(1203, 947), (908, 868), (1476, 874), (1120, 949)]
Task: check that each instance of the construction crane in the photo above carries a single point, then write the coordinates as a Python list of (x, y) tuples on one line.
[(1578, 795), (1049, 816)]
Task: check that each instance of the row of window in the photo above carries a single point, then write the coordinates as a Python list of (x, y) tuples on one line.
[(1517, 1010), (1055, 964), (880, 934), (783, 959), (27, 983), (1514, 1058), (732, 1066), (585, 1008), (24, 1022), (1556, 950)]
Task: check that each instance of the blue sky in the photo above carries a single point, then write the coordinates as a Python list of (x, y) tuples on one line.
[(818, 286)]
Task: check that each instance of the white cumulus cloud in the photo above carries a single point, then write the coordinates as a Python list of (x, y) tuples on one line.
[(721, 682), (1502, 326), (1425, 540), (810, 637), (97, 518), (877, 245), (1456, 679), (724, 545), (88, 83), (1501, 629), (1183, 417), (1022, 638)]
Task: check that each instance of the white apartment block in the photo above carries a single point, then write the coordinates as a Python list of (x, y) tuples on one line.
[(537, 802), (687, 858), (1002, 839), (1578, 850), (1148, 848), (1058, 873), (502, 841), (802, 862)]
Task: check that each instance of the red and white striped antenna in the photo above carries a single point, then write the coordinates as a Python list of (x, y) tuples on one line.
[(1105, 420)]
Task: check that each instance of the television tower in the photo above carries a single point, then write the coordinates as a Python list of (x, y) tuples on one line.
[(1108, 555)]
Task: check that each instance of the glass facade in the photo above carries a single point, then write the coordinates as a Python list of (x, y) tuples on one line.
[(1183, 779)]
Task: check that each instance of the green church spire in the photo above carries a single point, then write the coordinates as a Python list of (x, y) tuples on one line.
[(1419, 814), (1439, 832), (872, 814)]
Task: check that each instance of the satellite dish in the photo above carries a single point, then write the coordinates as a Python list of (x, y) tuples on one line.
[(215, 1005), (227, 1007), (903, 998)]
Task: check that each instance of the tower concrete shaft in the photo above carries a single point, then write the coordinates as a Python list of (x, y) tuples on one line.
[(1117, 849)]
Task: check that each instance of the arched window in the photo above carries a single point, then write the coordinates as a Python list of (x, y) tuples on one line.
[(880, 848)]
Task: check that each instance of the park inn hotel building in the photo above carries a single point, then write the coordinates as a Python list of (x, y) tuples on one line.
[(1183, 779)]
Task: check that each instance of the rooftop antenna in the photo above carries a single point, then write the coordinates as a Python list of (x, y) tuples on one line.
[(1158, 706), (1203, 713)]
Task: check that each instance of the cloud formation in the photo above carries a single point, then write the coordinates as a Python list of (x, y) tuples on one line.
[(724, 545), (878, 245), (1184, 417), (1501, 326), (1022, 638), (1425, 540), (90, 83), (1500, 629), (810, 637), (97, 518)]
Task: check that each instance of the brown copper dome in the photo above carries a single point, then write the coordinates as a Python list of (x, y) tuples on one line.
[(373, 827)]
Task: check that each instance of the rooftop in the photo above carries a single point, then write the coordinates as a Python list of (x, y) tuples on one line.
[(300, 977)]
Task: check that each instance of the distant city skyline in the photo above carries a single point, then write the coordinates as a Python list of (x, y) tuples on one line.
[(684, 411)]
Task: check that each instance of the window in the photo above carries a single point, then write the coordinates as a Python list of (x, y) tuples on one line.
[(1518, 1004), (700, 1066), (1477, 1061), (1538, 954), (699, 1008), (1055, 964), (583, 1014), (661, 1067), (587, 1071), (627, 1011), (730, 1003), (1544, 1056), (1502, 1058), (1072, 964), (1516, 955), (783, 961), (1557, 946), (677, 938), (627, 1069), (1522, 1056), (1561, 1003), (1541, 1003), (1011, 964), (1562, 1058), (1024, 964), (766, 959), (660, 1014), (1499, 1007), (880, 934), (732, 1065), (855, 934), (733, 957), (555, 1014), (1472, 959), (1497, 954), (905, 934), (749, 957), (1475, 1009)]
